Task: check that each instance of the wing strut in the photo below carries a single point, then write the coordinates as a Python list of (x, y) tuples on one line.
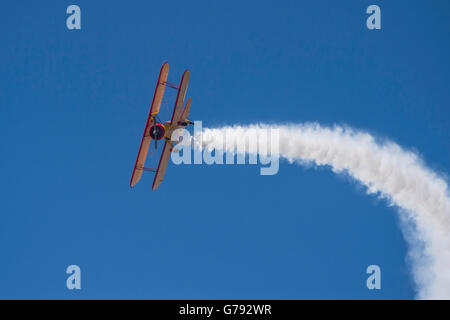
[(171, 85)]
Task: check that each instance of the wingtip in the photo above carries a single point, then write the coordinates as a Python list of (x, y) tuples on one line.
[(165, 66)]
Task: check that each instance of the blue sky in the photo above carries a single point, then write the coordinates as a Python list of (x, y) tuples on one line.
[(74, 103)]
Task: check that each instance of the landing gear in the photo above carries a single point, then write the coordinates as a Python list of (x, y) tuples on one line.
[(169, 142), (186, 123)]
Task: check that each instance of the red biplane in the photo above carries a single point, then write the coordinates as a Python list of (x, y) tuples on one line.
[(156, 130)]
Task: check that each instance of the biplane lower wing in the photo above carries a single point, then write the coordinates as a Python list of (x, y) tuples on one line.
[(162, 166), (176, 116), (146, 139)]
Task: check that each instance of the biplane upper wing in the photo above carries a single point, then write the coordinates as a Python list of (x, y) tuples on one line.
[(176, 115), (180, 98), (146, 139)]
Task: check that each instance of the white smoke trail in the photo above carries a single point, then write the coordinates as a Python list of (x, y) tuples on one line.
[(386, 170)]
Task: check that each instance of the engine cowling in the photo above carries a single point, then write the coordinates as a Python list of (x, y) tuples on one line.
[(157, 131)]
